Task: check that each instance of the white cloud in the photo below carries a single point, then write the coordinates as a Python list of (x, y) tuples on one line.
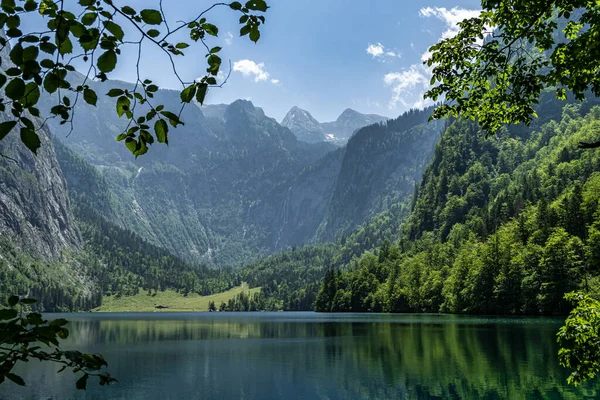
[(376, 50), (408, 86), (451, 17), (379, 51), (228, 38), (275, 81), (249, 68)]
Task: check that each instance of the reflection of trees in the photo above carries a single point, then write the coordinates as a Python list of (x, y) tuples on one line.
[(420, 357)]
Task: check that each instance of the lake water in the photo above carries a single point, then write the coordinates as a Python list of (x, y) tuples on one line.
[(310, 356)]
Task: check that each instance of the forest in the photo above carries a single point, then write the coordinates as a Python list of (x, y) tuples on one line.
[(499, 226)]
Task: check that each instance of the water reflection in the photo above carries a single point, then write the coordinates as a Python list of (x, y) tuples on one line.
[(313, 356)]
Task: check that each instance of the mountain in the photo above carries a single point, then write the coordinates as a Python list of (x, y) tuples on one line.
[(382, 164), (503, 226), (234, 185), (214, 110), (308, 129), (348, 123), (304, 126), (34, 205)]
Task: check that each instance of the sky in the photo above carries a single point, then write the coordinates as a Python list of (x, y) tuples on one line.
[(321, 55)]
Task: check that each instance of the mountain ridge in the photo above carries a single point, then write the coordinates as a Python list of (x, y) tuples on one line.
[(309, 129)]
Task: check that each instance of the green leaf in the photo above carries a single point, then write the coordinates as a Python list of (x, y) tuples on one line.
[(35, 319), (82, 382), (215, 50), (16, 54), (211, 29), (201, 93), (123, 105), (245, 30), (77, 29), (30, 5), (115, 92), (188, 93), (254, 34), (89, 18), (257, 5), (16, 379), (51, 82), (15, 89), (8, 314), (90, 96), (47, 47), (151, 17), (65, 46), (115, 29), (107, 61), (236, 5), (5, 128), (161, 129), (128, 10), (30, 139), (173, 118), (182, 45), (131, 145), (13, 301), (30, 53), (153, 33), (59, 322), (32, 94)]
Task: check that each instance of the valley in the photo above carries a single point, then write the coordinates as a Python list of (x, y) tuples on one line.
[(410, 211)]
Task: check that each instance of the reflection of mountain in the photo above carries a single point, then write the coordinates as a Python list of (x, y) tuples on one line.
[(269, 356)]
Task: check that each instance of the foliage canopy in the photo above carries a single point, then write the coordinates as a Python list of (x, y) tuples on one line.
[(495, 69), (92, 33)]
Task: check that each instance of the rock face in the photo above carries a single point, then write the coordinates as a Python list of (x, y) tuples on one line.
[(308, 129), (304, 126), (234, 184), (35, 212)]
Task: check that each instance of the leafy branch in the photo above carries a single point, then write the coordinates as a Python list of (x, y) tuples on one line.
[(22, 336), (93, 34)]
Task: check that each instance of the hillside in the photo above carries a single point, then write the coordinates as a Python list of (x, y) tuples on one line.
[(234, 185), (501, 226)]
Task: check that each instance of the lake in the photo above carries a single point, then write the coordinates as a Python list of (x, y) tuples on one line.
[(310, 356)]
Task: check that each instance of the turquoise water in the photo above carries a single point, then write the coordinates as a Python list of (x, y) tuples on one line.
[(310, 356)]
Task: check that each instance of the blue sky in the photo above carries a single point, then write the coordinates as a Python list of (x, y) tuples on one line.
[(321, 55)]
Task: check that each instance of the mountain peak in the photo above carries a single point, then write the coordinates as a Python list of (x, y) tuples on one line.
[(242, 105), (303, 125), (244, 109), (349, 113), (297, 113)]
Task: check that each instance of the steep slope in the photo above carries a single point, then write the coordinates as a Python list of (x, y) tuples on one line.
[(304, 126), (503, 226), (237, 185), (34, 205), (381, 166), (196, 197)]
